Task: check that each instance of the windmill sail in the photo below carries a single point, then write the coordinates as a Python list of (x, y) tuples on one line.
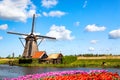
[(17, 33), (45, 37), (33, 24)]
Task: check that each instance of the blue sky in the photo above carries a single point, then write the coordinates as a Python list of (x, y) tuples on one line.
[(80, 26)]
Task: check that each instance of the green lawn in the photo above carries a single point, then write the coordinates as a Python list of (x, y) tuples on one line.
[(108, 63), (97, 63)]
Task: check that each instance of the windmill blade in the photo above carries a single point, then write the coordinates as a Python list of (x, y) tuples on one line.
[(21, 38), (33, 24), (45, 37), (22, 42), (41, 41), (17, 33)]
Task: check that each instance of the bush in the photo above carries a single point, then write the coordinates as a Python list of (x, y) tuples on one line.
[(35, 61), (69, 59), (23, 61)]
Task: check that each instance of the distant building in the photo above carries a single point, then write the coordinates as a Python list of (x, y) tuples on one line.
[(55, 58), (40, 55)]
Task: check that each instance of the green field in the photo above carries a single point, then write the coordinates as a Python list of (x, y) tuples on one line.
[(72, 61), (109, 63), (97, 63)]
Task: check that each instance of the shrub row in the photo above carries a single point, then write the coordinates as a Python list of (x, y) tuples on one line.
[(69, 59), (23, 61), (28, 61)]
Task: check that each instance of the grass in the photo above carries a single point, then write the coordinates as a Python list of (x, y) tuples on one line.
[(109, 63), (97, 63), (6, 60), (99, 57)]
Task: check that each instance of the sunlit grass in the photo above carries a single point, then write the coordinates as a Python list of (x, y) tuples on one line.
[(97, 63), (108, 63)]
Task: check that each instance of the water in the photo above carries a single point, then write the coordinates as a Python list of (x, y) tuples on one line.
[(7, 71)]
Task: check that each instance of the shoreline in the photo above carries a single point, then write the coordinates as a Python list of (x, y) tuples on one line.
[(86, 63)]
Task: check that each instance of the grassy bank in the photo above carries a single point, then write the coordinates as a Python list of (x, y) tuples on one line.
[(97, 63), (4, 61), (106, 63), (68, 62), (7, 61)]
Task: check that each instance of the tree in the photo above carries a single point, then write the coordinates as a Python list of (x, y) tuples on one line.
[(13, 55), (9, 56)]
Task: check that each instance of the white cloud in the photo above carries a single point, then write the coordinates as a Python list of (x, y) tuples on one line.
[(91, 48), (30, 13), (115, 34), (49, 3), (85, 4), (1, 37), (93, 41), (60, 32), (93, 28), (54, 14), (35, 33), (77, 23), (17, 10), (3, 27), (45, 14)]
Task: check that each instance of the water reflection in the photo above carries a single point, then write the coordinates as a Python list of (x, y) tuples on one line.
[(7, 71)]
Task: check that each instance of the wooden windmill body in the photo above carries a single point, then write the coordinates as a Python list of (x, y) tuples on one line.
[(31, 45)]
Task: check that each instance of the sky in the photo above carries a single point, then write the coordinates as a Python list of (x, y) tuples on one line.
[(80, 26)]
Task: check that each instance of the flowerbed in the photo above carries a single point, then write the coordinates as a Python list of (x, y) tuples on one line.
[(71, 75)]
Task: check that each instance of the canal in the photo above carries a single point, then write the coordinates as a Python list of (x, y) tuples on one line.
[(7, 71)]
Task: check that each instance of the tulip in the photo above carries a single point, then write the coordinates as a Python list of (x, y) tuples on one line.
[(71, 75)]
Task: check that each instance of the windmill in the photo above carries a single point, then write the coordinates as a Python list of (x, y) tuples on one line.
[(31, 45)]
